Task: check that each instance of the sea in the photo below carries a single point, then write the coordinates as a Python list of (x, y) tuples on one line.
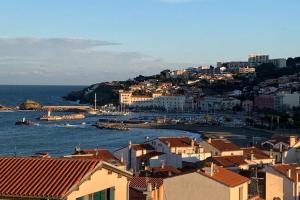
[(59, 138)]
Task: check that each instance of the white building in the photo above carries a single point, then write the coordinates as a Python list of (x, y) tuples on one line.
[(255, 60), (289, 100), (168, 102), (279, 62)]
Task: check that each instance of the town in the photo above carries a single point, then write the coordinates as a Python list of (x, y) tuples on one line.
[(212, 166)]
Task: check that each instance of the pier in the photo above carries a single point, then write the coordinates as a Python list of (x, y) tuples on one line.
[(67, 108)]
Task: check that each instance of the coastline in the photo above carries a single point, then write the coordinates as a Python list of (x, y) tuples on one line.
[(240, 135)]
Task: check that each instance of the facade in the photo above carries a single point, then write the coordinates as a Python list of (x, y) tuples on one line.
[(247, 70), (289, 100), (282, 182), (279, 62), (256, 60), (62, 178), (265, 102), (157, 100), (214, 183)]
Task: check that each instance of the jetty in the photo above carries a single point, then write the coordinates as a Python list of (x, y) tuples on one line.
[(77, 108), (50, 117)]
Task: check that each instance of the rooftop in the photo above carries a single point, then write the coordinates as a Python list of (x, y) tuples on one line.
[(42, 177), (223, 145), (229, 161), (226, 177), (178, 141), (101, 154), (142, 182), (283, 169)]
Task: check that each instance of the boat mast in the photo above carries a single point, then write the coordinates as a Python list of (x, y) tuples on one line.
[(95, 102)]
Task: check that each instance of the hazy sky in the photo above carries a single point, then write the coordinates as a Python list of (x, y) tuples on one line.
[(88, 41)]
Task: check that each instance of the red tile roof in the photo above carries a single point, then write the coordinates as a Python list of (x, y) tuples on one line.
[(229, 161), (138, 147), (257, 153), (178, 141), (226, 177), (283, 169), (41, 177), (223, 145), (142, 182), (101, 154)]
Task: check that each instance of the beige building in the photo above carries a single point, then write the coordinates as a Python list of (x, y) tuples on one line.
[(62, 178), (214, 183), (282, 182)]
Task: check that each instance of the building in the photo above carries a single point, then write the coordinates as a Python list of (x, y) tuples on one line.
[(221, 147), (282, 182), (256, 60), (247, 70), (157, 100), (281, 148), (266, 102), (212, 183), (61, 178), (130, 155), (279, 62), (247, 105), (188, 149), (288, 100)]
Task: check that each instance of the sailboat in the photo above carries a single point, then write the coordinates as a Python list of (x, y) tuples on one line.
[(94, 111)]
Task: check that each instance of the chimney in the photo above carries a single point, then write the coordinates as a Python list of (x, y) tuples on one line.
[(192, 142), (271, 153), (209, 140), (292, 140), (169, 144), (129, 144), (288, 173), (252, 156), (162, 164), (122, 158), (211, 173)]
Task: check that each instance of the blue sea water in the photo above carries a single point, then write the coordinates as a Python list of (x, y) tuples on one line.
[(58, 138)]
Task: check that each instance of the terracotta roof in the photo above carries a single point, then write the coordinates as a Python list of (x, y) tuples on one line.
[(223, 145), (229, 161), (150, 155), (283, 169), (178, 141), (258, 153), (283, 139), (138, 147), (226, 177), (101, 154), (142, 182), (41, 177)]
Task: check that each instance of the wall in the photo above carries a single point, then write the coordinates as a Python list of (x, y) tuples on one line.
[(193, 185), (99, 181), (278, 185)]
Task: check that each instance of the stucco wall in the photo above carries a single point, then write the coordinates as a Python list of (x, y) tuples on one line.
[(278, 185), (99, 181), (197, 186)]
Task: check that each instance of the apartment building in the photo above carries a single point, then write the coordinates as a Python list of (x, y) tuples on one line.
[(255, 60), (62, 178), (167, 102)]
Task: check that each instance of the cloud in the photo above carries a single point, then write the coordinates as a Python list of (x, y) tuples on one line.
[(69, 61)]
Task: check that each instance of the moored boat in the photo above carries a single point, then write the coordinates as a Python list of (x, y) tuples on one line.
[(24, 122)]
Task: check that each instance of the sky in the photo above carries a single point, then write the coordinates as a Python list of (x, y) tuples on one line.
[(81, 42)]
